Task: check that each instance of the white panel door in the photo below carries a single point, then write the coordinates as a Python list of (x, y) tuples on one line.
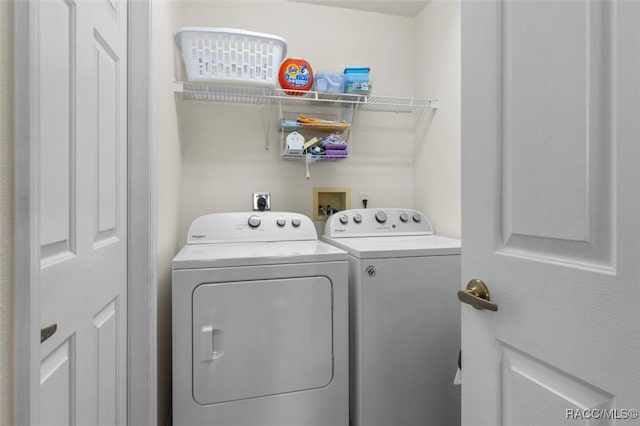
[(551, 144), (81, 132)]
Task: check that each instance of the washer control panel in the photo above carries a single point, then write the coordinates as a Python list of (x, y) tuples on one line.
[(251, 227), (377, 222)]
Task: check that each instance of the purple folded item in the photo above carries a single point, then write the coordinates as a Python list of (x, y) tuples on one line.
[(335, 145), (333, 142), (335, 152)]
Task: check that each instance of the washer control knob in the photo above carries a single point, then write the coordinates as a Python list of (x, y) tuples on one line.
[(357, 218), (281, 221), (404, 217), (254, 221), (295, 221), (417, 217), (344, 219), (381, 217)]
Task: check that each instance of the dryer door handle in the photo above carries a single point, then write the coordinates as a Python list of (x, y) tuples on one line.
[(211, 343)]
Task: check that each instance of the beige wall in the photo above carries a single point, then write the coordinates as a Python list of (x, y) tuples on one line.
[(6, 213), (437, 163), (224, 159)]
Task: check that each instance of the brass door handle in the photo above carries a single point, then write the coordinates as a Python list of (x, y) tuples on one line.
[(477, 295)]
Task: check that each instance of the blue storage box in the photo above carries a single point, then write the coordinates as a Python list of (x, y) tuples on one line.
[(357, 81)]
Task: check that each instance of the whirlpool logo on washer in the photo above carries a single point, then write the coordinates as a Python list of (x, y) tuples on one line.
[(198, 236), (370, 270)]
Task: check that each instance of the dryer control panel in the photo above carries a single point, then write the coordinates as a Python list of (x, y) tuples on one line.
[(377, 223), (251, 227)]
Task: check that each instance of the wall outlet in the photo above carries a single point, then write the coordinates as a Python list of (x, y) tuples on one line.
[(261, 201), (364, 200)]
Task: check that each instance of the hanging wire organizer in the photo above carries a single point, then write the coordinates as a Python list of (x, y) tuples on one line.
[(318, 131), (256, 95)]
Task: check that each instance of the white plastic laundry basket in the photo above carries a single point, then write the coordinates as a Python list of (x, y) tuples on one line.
[(228, 55)]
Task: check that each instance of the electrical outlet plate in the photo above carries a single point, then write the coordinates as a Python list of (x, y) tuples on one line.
[(363, 196), (257, 196)]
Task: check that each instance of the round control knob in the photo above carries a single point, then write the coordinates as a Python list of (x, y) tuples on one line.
[(344, 219), (417, 217), (281, 221), (357, 218), (381, 217), (254, 221), (404, 217), (295, 221)]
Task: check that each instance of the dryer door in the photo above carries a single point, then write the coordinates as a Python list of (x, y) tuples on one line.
[(259, 338)]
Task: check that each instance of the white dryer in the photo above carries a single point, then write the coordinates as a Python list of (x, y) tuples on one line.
[(404, 317), (260, 324)]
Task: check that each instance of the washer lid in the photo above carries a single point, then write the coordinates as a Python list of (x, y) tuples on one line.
[(401, 246), (198, 256)]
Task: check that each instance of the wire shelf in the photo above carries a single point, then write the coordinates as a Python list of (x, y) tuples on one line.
[(211, 92)]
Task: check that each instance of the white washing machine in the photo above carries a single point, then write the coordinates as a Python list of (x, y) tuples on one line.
[(404, 317), (260, 324)]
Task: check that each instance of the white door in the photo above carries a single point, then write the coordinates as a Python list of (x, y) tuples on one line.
[(551, 212), (80, 84)]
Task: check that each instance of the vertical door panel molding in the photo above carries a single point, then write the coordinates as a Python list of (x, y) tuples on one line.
[(56, 132), (108, 166), (106, 337), (568, 220)]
